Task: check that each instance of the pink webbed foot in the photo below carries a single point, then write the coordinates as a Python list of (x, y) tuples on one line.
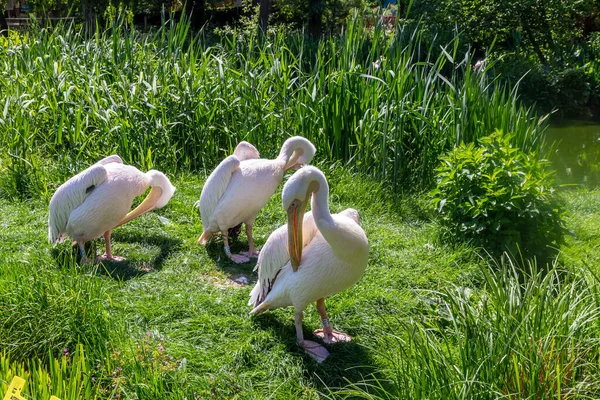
[(315, 350), (107, 258), (239, 258), (249, 254), (332, 338)]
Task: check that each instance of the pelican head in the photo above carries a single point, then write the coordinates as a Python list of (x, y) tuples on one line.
[(296, 193), (297, 151)]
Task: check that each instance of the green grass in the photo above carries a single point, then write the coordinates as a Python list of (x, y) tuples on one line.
[(408, 315), (178, 291)]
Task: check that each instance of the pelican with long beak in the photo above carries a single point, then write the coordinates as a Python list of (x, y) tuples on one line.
[(315, 255), (97, 200), (241, 185)]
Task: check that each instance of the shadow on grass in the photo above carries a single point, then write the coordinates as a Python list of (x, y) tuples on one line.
[(129, 268), (216, 253), (348, 362)]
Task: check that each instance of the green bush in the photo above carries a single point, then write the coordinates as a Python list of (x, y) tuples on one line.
[(569, 92), (500, 198)]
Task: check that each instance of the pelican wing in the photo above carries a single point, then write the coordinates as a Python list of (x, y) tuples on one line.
[(275, 255), (215, 187), (72, 194), (245, 151), (110, 159)]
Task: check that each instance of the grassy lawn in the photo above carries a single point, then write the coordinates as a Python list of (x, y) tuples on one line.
[(172, 321), (173, 292)]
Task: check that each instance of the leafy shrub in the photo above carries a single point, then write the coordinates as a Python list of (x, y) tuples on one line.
[(14, 39), (499, 197), (570, 91)]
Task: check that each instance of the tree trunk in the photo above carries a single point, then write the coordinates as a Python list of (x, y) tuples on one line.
[(196, 12), (89, 16), (315, 18), (3, 25), (401, 9), (263, 16), (534, 43)]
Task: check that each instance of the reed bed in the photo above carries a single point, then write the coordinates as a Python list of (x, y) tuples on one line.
[(524, 336), (385, 102)]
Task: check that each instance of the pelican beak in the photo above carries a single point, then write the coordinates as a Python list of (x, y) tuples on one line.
[(293, 161), (145, 206), (295, 223)]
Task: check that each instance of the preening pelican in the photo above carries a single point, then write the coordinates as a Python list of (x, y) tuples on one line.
[(97, 200), (241, 185), (300, 264)]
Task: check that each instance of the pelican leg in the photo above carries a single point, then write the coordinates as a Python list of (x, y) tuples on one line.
[(236, 258), (107, 256), (84, 259), (313, 349), (328, 335), (252, 250)]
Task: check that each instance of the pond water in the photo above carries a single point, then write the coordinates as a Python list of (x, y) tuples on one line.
[(577, 152)]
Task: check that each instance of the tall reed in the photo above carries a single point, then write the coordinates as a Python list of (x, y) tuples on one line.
[(67, 377), (524, 336), (386, 102)]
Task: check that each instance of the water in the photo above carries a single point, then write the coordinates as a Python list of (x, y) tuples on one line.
[(577, 152)]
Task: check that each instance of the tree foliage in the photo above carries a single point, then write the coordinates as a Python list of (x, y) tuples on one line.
[(544, 27), (315, 16), (546, 45)]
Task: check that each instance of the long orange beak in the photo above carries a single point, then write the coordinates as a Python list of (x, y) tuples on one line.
[(295, 224), (145, 206)]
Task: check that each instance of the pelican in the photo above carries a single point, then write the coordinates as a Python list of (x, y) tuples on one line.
[(97, 200), (300, 264), (241, 185)]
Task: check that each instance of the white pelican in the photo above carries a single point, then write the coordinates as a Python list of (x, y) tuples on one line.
[(329, 253), (241, 185), (95, 201)]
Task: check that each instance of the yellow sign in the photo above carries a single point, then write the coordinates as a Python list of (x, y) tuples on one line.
[(14, 389)]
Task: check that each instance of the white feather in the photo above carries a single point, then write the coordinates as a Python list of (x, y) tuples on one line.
[(323, 271), (158, 179), (214, 188), (217, 182), (245, 151), (275, 254), (243, 183), (110, 159), (333, 259), (72, 194), (98, 198)]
